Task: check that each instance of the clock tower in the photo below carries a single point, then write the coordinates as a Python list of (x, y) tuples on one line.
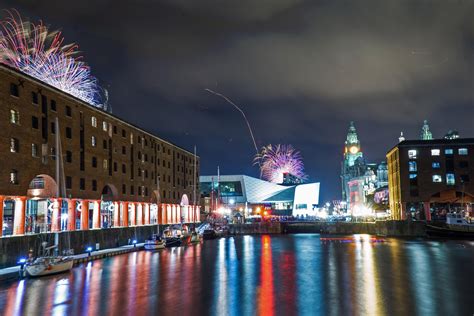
[(352, 146), (353, 164)]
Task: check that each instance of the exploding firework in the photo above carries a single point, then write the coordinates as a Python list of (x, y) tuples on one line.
[(276, 160), (35, 51)]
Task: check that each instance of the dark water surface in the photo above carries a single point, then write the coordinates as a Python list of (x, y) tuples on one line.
[(262, 275)]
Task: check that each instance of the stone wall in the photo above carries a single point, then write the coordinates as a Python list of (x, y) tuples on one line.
[(12, 248), (386, 228), (255, 228)]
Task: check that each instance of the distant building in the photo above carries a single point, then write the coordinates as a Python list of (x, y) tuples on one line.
[(290, 179), (360, 180), (430, 177), (251, 196)]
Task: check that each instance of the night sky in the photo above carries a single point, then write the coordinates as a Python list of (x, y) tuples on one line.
[(301, 70)]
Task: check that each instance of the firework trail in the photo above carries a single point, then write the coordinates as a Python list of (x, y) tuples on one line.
[(35, 51), (240, 110), (276, 160)]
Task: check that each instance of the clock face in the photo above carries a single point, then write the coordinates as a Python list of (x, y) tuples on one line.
[(354, 150)]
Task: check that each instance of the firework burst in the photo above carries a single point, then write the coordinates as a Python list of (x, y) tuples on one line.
[(35, 51), (276, 160)]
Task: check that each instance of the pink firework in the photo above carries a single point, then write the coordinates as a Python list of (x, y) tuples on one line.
[(35, 51), (277, 160)]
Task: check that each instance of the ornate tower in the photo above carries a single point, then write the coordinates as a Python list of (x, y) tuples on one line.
[(352, 146), (353, 164), (425, 131)]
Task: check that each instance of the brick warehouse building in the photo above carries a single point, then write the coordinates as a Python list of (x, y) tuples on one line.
[(104, 157), (429, 178)]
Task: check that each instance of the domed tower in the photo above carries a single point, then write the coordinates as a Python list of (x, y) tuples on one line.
[(353, 164)]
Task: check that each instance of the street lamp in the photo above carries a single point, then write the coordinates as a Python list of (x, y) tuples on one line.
[(134, 242), (89, 251)]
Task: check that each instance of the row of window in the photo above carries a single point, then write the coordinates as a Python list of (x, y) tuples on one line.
[(15, 146), (412, 165), (141, 140), (142, 190), (15, 119), (15, 91), (413, 153), (437, 178)]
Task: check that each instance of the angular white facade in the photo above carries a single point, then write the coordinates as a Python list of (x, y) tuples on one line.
[(300, 199)]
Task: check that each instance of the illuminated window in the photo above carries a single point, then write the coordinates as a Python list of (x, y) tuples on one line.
[(412, 154), (462, 151), (14, 117), (105, 164), (104, 126), (14, 177), (437, 178), (435, 152), (450, 180), (435, 165), (14, 145), (131, 138), (93, 141), (412, 166), (34, 150), (94, 121), (448, 151), (413, 176)]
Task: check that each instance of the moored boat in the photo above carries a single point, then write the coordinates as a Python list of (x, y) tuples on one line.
[(195, 238), (172, 242), (456, 226), (154, 243), (48, 265)]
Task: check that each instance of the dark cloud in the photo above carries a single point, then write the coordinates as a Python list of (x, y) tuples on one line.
[(300, 69)]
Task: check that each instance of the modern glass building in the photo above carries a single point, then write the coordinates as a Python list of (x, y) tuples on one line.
[(251, 196)]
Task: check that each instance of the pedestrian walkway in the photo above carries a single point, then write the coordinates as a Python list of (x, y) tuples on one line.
[(13, 272)]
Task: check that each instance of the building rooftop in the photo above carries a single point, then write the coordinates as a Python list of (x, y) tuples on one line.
[(90, 106), (433, 142)]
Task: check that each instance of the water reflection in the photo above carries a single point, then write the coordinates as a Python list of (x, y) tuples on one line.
[(261, 275)]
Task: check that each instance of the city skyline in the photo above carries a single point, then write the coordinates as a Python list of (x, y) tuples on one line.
[(314, 70)]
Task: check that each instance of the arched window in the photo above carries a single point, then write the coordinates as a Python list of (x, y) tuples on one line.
[(94, 121)]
